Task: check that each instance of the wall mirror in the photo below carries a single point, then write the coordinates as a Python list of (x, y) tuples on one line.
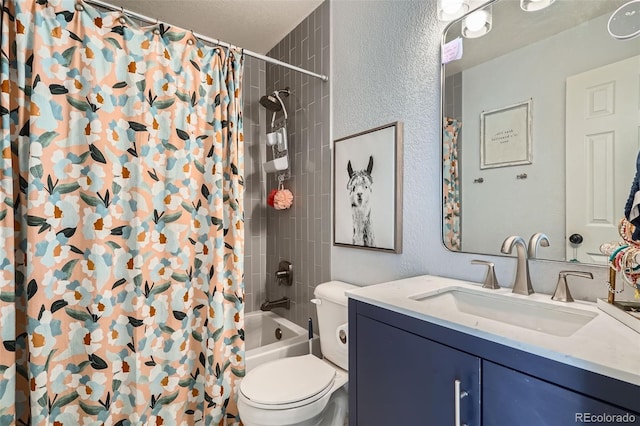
[(541, 129)]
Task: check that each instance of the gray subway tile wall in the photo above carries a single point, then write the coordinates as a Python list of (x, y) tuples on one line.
[(255, 258), (302, 233), (453, 90)]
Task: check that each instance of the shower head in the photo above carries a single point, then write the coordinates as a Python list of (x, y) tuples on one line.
[(273, 101)]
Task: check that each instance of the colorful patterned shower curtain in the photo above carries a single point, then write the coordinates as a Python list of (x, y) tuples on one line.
[(451, 184), (121, 219)]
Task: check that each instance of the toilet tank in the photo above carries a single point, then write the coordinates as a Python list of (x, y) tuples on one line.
[(331, 306)]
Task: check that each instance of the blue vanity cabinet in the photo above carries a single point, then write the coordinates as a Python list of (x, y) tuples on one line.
[(405, 379), (512, 398), (402, 371)]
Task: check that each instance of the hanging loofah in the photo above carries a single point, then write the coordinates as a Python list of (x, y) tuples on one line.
[(282, 198), (271, 196)]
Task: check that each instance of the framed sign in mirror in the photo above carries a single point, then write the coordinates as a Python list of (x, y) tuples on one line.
[(367, 193), (505, 136)]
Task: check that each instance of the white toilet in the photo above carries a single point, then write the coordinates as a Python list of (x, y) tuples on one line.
[(304, 390)]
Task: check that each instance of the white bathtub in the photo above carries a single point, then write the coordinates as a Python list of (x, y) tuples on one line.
[(262, 345)]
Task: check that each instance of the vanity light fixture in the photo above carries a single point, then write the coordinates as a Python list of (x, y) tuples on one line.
[(478, 23), (534, 5), (448, 10)]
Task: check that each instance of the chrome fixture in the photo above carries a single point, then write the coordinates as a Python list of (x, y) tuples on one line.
[(490, 280), (522, 282), (562, 293), (477, 23), (459, 394), (277, 134), (273, 102), (284, 274), (537, 240), (448, 10), (272, 304), (535, 5)]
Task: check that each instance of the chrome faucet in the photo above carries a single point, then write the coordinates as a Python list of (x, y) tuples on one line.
[(537, 240), (285, 302), (522, 283)]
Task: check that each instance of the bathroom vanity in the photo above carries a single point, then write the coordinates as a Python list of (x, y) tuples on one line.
[(435, 351)]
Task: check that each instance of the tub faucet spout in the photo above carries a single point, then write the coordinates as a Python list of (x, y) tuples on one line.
[(285, 302)]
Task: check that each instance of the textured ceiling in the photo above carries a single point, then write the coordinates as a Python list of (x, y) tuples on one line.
[(257, 25)]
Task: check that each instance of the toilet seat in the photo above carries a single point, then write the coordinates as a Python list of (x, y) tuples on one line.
[(287, 383)]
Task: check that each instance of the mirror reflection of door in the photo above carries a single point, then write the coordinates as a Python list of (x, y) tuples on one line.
[(603, 129)]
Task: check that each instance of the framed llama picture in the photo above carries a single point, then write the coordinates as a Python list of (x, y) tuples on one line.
[(367, 189)]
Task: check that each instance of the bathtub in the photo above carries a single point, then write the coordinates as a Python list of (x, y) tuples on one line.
[(262, 343)]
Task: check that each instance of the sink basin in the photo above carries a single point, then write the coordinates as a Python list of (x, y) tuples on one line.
[(540, 316)]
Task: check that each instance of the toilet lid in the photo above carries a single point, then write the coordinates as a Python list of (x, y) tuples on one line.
[(287, 380)]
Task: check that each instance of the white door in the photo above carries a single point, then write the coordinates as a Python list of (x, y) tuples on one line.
[(602, 138)]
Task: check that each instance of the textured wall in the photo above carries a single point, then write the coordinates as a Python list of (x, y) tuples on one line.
[(385, 67), (255, 258), (302, 233)]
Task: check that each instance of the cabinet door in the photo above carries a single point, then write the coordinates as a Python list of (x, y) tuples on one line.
[(404, 379), (513, 398)]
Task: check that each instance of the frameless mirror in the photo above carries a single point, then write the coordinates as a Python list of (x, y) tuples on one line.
[(541, 130)]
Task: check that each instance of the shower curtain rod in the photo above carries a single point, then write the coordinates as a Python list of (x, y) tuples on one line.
[(247, 52)]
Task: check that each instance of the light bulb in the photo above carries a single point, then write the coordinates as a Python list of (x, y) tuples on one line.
[(449, 10), (450, 7), (476, 20), (535, 5), (477, 23)]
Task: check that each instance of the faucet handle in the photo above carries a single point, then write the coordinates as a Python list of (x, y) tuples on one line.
[(562, 293), (490, 280), (284, 274)]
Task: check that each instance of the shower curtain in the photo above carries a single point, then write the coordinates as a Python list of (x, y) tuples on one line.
[(121, 220), (451, 184)]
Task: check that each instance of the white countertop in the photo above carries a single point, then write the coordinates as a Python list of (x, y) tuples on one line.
[(604, 345)]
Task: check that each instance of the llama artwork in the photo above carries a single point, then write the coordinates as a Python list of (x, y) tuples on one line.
[(367, 216), (360, 189)]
